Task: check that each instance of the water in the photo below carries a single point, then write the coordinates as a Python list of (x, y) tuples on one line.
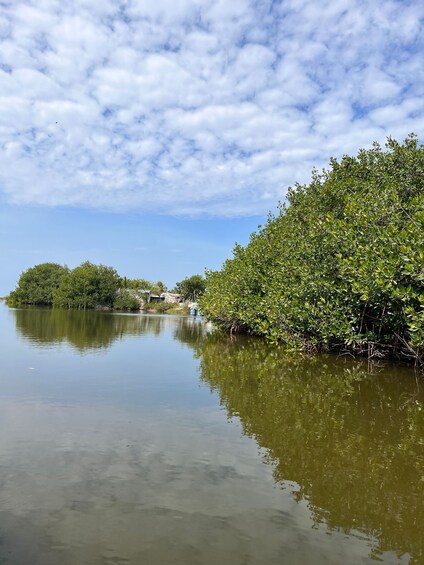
[(134, 439)]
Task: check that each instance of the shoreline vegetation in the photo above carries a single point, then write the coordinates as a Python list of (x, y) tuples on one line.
[(99, 287), (341, 267)]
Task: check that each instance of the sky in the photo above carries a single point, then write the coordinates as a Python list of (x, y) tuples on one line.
[(153, 135)]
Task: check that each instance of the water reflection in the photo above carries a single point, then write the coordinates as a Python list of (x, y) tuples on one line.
[(352, 441), (121, 458), (88, 330)]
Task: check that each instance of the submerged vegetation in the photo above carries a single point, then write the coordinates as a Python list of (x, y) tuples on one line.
[(341, 266)]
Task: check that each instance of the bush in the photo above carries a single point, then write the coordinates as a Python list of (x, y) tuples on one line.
[(191, 288), (125, 300), (87, 286), (342, 266), (159, 307), (37, 284)]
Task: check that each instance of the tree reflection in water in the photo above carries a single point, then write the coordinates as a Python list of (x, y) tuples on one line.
[(88, 330), (352, 440)]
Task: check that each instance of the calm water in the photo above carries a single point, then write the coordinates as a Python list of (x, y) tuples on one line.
[(133, 439)]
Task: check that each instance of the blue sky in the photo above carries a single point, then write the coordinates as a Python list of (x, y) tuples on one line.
[(131, 127), (151, 246)]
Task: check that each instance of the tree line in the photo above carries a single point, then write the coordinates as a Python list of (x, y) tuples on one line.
[(91, 286), (340, 267), (342, 264)]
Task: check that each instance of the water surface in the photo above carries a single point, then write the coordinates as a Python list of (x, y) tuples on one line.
[(131, 439)]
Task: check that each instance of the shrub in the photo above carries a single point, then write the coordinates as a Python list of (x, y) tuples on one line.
[(342, 266), (125, 300), (159, 307), (37, 284)]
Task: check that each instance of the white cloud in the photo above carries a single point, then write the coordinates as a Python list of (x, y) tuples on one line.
[(197, 106)]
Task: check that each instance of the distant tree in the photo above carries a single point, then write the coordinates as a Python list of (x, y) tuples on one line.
[(191, 288), (158, 288), (161, 287), (88, 286), (37, 284), (139, 284)]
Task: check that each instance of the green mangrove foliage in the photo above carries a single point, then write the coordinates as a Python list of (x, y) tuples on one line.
[(37, 285), (144, 285), (342, 266), (87, 286), (160, 307), (191, 288), (127, 299)]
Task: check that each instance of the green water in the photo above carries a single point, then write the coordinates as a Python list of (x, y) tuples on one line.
[(134, 439)]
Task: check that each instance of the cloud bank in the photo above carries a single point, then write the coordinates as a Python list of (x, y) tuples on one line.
[(197, 107)]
